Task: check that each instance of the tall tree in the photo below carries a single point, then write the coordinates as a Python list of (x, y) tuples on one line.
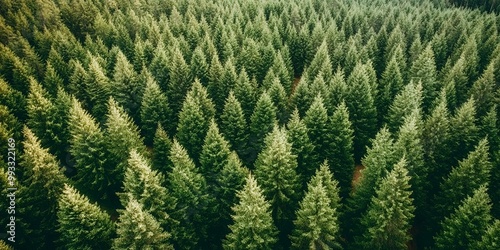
[(138, 229), (97, 85), (491, 239), (93, 232), (275, 169), (252, 226), (154, 110), (233, 125), (179, 81), (38, 195), (262, 122), (390, 214), (246, 92), (161, 151), (127, 89), (214, 154), (424, 70), (316, 121), (469, 221), (362, 109), (409, 100), (317, 226), (390, 85), (463, 130)]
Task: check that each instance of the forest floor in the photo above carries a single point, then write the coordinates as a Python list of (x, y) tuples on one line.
[(357, 174)]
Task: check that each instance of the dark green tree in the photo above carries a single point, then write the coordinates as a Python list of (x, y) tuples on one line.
[(246, 92), (262, 121), (214, 154), (463, 130), (154, 110), (317, 225), (362, 109), (97, 86), (491, 239), (390, 85), (233, 125), (423, 70), (198, 66), (252, 226), (275, 169), (38, 195), (127, 89), (406, 102), (390, 213), (138, 229), (469, 221), (179, 81), (93, 232), (161, 150), (280, 100), (316, 121), (483, 91)]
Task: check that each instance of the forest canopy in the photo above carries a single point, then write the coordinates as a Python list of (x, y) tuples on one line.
[(233, 124)]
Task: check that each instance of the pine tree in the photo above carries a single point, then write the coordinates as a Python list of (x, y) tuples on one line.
[(302, 97), (194, 208), (280, 99), (390, 85), (463, 130), (340, 148), (51, 80), (321, 63), (252, 226), (302, 147), (424, 70), (122, 135), (144, 185), (317, 225), (214, 154), (337, 89), (138, 229), (198, 66), (161, 150), (154, 110), (262, 122), (491, 239), (88, 149), (179, 81), (233, 125), (221, 88), (362, 109), (82, 224), (275, 169), (483, 91), (246, 92), (470, 174), (457, 74), (40, 190), (389, 216), (378, 160), (409, 100), (316, 121), (127, 89), (465, 226), (97, 85)]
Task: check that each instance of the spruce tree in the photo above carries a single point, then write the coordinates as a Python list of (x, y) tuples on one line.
[(179, 81), (457, 74), (214, 154), (302, 96), (316, 121), (233, 125), (198, 66), (127, 89), (424, 70), (138, 229), (122, 135), (252, 226), (154, 110), (390, 85), (275, 169), (469, 221), (463, 130), (262, 122), (409, 100), (362, 109), (302, 147), (161, 150), (317, 225), (194, 208), (483, 91), (280, 100), (246, 92), (97, 85), (390, 213), (38, 195), (491, 238), (340, 148), (88, 149), (337, 89), (93, 232), (51, 81), (321, 63), (470, 174)]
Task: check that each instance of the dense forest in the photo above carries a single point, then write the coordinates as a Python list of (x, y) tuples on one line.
[(233, 124)]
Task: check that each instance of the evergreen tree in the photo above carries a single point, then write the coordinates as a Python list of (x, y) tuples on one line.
[(88, 149), (97, 85), (275, 169), (340, 148), (154, 110), (127, 89), (337, 89), (198, 66), (316, 121), (214, 154), (424, 70), (233, 125), (362, 110), (138, 229), (321, 63), (390, 213), (471, 173), (463, 130), (491, 239), (93, 232), (302, 147), (279, 97), (52, 81), (194, 208), (38, 195), (252, 226), (302, 97), (122, 135), (221, 88), (459, 76), (262, 122), (409, 100), (465, 226), (246, 92), (483, 91), (378, 160), (179, 81), (161, 150), (317, 226), (390, 85), (144, 185)]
